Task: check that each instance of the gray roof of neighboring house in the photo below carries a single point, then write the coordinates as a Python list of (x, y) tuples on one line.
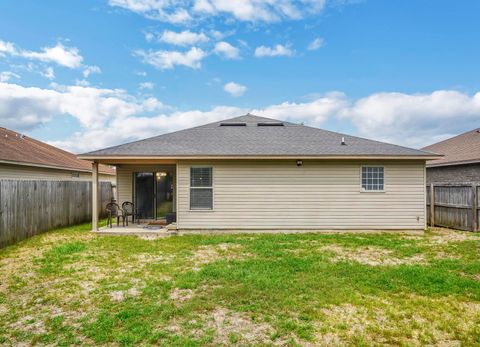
[(252, 140), (457, 150)]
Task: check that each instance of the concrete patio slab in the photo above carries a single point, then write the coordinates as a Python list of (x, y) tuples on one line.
[(144, 230)]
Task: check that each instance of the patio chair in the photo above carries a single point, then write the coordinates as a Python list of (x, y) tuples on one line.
[(130, 210), (114, 210)]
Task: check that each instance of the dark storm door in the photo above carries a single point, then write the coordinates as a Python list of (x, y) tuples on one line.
[(145, 194)]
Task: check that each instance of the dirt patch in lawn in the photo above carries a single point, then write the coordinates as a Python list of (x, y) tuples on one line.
[(181, 295), (374, 256), (211, 253), (29, 324), (350, 321), (442, 235), (117, 296), (147, 258), (237, 328), (226, 327), (120, 295), (387, 322)]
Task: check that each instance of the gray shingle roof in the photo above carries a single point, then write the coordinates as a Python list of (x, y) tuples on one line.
[(460, 149), (254, 140)]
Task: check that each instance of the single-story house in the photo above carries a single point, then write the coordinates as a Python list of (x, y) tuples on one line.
[(24, 158), (460, 162), (256, 173)]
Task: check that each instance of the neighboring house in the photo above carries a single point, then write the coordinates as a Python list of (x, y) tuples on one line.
[(24, 158), (259, 173), (460, 162)]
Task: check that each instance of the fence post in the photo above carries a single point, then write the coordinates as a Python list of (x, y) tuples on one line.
[(432, 205), (474, 208), (95, 196)]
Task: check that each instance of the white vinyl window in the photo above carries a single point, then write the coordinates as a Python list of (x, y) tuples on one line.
[(373, 178), (201, 188)]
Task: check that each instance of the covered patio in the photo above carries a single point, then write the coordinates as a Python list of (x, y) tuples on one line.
[(149, 186)]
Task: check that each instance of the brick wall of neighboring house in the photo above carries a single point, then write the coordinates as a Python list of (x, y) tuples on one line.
[(454, 174)]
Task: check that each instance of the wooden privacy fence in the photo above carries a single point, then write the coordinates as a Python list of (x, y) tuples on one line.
[(454, 206), (28, 208)]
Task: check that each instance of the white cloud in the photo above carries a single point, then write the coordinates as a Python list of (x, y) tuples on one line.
[(234, 89), (165, 60), (91, 70), (162, 10), (226, 50), (6, 76), (244, 10), (82, 83), (48, 73), (149, 36), (276, 51), (59, 54), (218, 35), (315, 112), (213, 81), (184, 38), (260, 10), (7, 48), (315, 44), (414, 119), (24, 108), (146, 85)]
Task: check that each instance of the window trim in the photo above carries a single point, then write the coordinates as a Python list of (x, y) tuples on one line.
[(190, 189), (362, 190)]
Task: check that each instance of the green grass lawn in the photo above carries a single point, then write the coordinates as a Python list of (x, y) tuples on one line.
[(72, 287)]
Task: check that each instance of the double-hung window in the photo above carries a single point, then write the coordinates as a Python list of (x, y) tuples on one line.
[(201, 188), (373, 178)]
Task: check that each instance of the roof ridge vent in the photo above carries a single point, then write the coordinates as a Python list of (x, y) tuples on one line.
[(233, 124), (270, 124)]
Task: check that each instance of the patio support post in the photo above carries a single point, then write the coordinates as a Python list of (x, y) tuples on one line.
[(95, 196)]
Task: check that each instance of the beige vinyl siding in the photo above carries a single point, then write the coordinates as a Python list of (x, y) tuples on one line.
[(125, 178), (317, 195), (24, 172)]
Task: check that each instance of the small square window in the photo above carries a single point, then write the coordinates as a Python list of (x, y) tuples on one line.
[(373, 178)]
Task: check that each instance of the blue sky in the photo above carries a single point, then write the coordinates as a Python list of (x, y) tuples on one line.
[(89, 74)]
